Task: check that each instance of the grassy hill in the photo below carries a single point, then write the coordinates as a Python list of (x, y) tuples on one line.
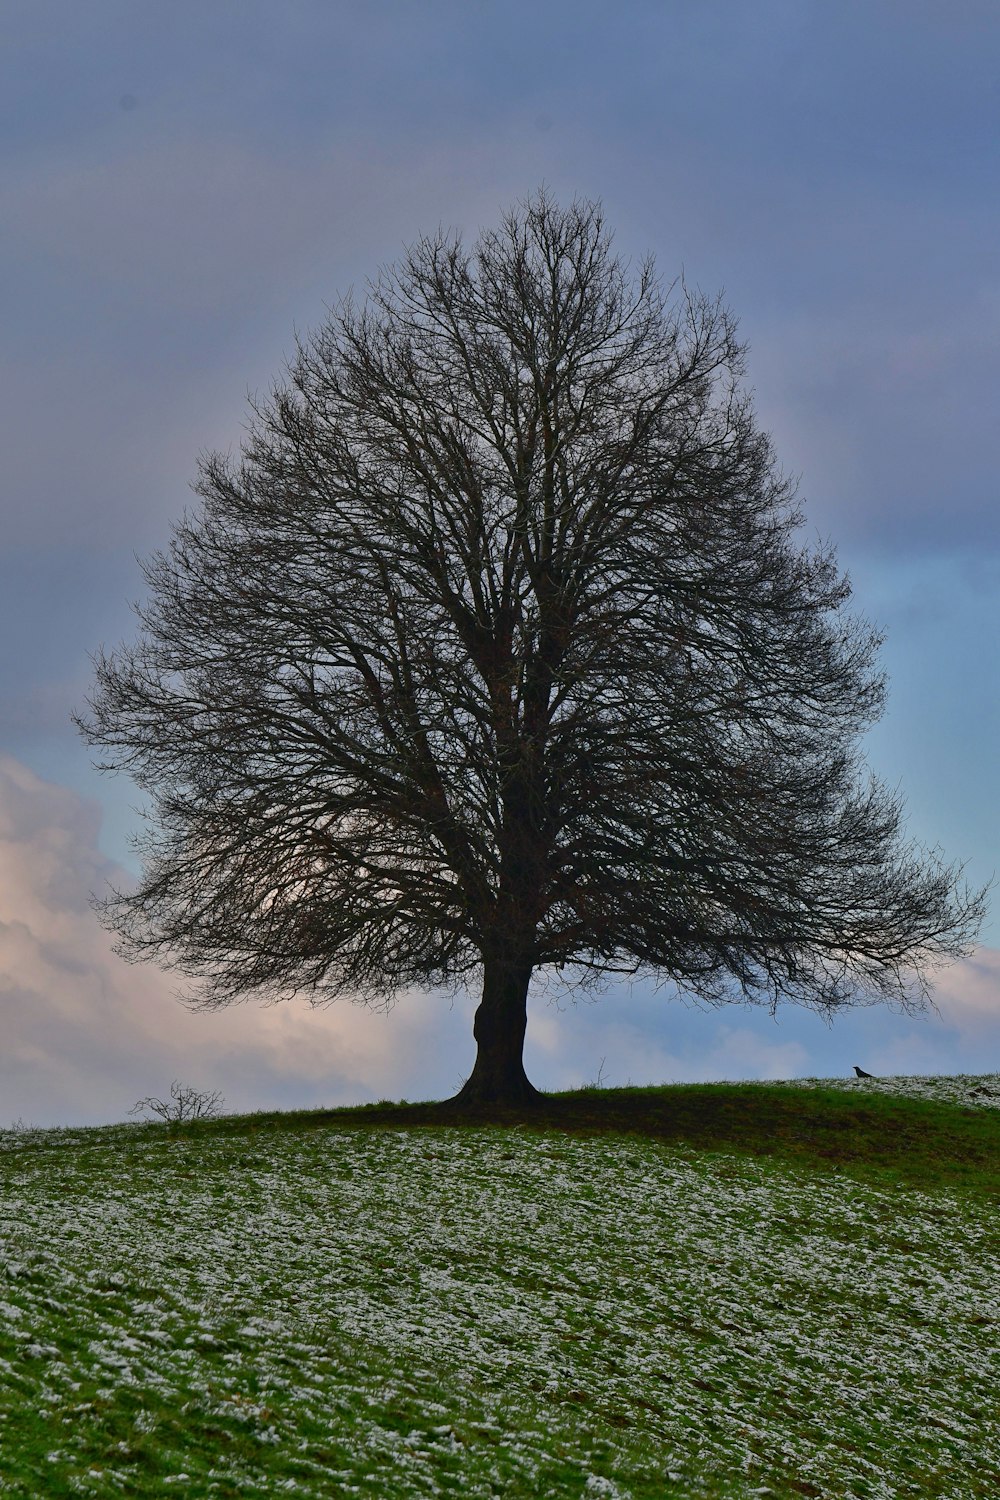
[(727, 1290)]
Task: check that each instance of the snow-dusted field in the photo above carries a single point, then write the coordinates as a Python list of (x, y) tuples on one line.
[(383, 1312), (980, 1090)]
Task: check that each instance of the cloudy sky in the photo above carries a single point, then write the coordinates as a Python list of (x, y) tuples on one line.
[(185, 184)]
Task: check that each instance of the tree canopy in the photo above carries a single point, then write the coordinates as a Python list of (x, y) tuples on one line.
[(498, 648)]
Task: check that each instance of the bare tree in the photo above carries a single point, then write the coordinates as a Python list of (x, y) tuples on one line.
[(184, 1103), (497, 649)]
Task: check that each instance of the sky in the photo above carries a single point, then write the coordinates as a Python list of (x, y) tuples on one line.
[(184, 186)]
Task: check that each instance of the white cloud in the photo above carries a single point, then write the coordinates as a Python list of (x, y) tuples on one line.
[(968, 998), (628, 1041), (86, 1035)]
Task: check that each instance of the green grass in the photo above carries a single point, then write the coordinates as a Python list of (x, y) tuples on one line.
[(720, 1291), (872, 1134)]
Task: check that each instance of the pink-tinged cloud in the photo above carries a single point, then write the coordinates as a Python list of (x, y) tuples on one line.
[(85, 1034), (968, 998)]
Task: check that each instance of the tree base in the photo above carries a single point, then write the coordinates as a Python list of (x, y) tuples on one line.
[(487, 1093)]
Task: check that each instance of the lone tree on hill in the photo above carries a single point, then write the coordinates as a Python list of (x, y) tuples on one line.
[(497, 650)]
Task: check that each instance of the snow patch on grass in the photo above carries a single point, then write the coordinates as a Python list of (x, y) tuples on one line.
[(485, 1312)]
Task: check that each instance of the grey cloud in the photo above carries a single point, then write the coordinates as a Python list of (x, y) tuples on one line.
[(831, 169)]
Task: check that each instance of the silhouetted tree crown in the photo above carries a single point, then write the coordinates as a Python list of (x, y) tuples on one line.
[(497, 649)]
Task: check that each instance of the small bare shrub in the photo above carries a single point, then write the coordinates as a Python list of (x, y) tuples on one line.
[(18, 1135), (185, 1103), (598, 1082)]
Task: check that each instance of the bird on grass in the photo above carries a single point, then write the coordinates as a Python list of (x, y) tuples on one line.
[(861, 1072)]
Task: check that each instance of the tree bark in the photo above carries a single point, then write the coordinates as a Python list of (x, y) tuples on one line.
[(501, 1020)]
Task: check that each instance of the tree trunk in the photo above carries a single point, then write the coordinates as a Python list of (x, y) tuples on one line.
[(501, 1019)]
